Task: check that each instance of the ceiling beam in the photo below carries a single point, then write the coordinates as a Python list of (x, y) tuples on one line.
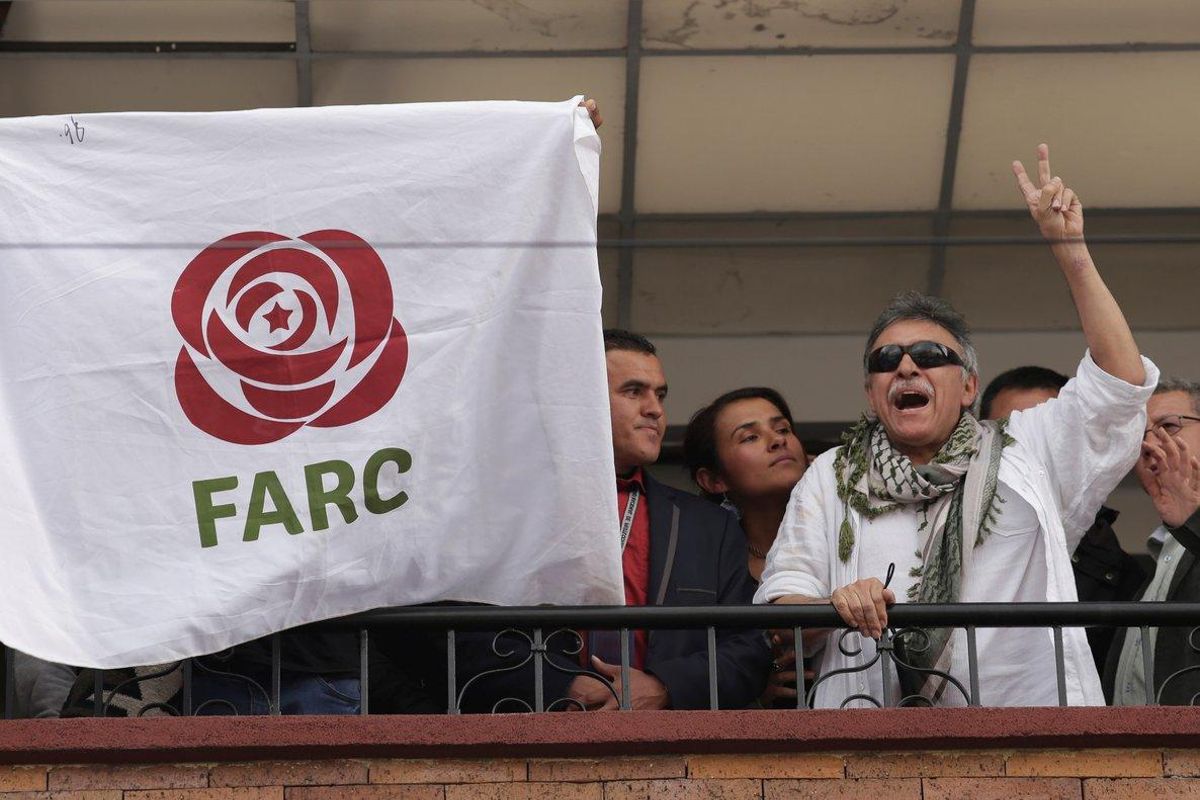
[(627, 217), (304, 82), (958, 97), (288, 50)]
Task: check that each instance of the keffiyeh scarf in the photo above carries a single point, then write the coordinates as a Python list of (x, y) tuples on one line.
[(955, 495)]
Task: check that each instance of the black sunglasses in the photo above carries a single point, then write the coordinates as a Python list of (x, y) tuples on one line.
[(925, 355)]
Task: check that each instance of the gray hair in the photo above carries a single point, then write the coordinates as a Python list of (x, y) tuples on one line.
[(1191, 388), (926, 308)]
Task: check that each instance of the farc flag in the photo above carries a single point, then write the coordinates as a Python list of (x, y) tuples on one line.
[(262, 368)]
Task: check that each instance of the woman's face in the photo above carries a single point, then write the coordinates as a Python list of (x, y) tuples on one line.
[(759, 454)]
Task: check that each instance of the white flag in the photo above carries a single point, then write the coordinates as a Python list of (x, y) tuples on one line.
[(268, 367)]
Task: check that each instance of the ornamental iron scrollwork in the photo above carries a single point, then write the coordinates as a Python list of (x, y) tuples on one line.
[(1194, 644), (500, 651), (574, 651), (921, 645), (913, 640), (511, 643), (850, 652), (220, 702)]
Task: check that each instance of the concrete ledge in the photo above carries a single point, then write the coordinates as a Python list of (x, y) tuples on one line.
[(175, 739)]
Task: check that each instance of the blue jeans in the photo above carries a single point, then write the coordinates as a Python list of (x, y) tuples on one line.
[(299, 693)]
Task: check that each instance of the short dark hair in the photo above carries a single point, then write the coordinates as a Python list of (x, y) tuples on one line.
[(620, 339), (700, 439), (926, 308), (1029, 377)]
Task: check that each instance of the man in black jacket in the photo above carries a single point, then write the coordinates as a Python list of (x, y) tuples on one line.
[(1169, 471), (677, 550)]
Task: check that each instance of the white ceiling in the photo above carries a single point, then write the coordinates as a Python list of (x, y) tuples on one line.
[(717, 133)]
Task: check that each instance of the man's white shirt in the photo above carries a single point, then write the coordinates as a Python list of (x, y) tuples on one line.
[(1068, 455)]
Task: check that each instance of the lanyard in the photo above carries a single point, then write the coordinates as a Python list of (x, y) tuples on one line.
[(627, 520)]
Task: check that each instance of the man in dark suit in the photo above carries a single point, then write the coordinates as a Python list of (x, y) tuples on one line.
[(1169, 471), (677, 550)]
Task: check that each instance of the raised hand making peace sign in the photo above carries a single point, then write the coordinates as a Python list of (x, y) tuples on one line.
[(1054, 207), (1059, 215)]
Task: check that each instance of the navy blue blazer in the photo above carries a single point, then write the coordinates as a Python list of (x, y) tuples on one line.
[(697, 558)]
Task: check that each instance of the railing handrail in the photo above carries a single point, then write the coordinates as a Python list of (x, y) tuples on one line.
[(538, 625), (985, 615)]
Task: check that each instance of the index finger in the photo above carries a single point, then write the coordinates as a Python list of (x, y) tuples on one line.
[(1169, 446), (1043, 151), (1026, 186)]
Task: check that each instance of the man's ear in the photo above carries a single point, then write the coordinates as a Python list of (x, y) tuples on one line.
[(970, 390), (710, 482)]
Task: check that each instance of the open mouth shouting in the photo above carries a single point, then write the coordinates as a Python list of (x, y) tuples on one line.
[(910, 395)]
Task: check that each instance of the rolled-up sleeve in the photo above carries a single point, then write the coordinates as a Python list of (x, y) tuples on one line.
[(1087, 439), (800, 561)]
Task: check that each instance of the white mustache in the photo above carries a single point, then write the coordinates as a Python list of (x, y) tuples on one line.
[(910, 385)]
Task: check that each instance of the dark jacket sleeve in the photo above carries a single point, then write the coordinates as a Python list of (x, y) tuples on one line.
[(1188, 534), (743, 655)]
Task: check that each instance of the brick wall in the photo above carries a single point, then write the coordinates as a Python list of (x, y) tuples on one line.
[(895, 754), (1089, 774)]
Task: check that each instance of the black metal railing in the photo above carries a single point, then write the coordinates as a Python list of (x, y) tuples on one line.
[(530, 643)]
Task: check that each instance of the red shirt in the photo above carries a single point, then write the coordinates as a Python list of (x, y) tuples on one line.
[(635, 560)]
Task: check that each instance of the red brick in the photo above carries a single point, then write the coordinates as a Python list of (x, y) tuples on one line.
[(1181, 762), (227, 793), (852, 789), (390, 792), (525, 791), (607, 769), (94, 794), (1140, 789), (1086, 763), (429, 770), (923, 765), (97, 776), (683, 790), (767, 765), (22, 779), (289, 773), (1002, 789)]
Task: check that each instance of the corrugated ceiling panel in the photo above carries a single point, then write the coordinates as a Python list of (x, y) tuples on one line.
[(791, 23), (425, 25), (828, 133), (723, 290), (150, 20), (72, 85), (607, 229), (1122, 128), (338, 81), (1017, 22), (1020, 287)]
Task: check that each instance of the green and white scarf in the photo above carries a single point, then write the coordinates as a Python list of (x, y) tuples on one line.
[(956, 497)]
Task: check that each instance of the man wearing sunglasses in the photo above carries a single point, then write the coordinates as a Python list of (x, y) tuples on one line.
[(925, 503), (1169, 471)]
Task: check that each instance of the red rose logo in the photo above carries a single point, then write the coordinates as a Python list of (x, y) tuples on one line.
[(271, 346)]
